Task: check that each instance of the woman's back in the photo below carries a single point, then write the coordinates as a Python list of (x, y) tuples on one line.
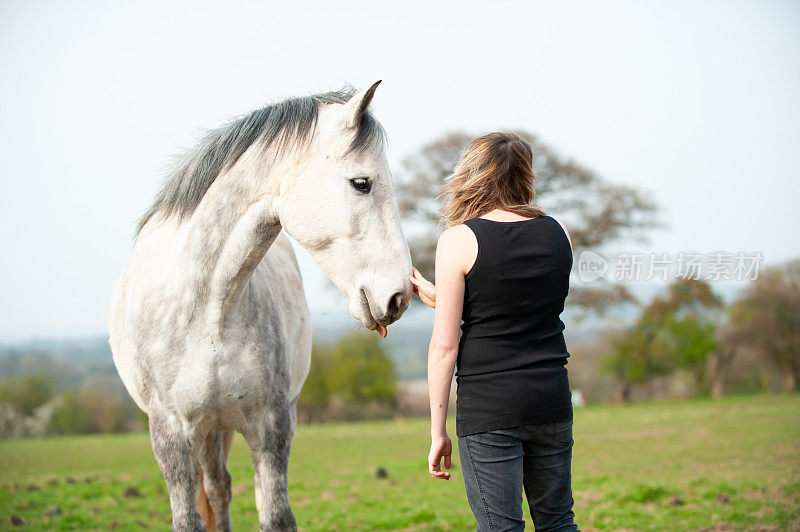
[(510, 366)]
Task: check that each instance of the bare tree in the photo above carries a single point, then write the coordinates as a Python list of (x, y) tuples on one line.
[(595, 212)]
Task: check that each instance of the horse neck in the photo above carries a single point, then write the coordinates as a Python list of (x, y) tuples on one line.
[(228, 235)]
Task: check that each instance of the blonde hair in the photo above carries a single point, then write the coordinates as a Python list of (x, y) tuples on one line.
[(495, 172)]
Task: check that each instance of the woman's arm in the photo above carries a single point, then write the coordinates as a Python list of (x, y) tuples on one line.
[(443, 350)]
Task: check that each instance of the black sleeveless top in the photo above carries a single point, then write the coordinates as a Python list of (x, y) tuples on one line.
[(512, 355)]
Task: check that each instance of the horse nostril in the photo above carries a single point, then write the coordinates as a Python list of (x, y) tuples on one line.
[(395, 303)]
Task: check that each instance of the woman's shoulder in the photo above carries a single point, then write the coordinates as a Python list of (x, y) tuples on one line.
[(564, 227), (456, 235), (459, 246)]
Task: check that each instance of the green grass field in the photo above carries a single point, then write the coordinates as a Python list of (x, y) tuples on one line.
[(732, 464)]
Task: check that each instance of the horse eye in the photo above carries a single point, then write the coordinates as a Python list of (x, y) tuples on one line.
[(362, 184)]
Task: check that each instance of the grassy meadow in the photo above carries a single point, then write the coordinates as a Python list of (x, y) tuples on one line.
[(730, 464)]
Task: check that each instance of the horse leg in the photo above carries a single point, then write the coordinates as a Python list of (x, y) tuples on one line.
[(206, 511), (204, 507), (214, 495), (270, 452), (173, 454)]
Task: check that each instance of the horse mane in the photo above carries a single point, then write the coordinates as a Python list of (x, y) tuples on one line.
[(284, 124)]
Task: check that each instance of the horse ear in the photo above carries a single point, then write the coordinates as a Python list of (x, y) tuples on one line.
[(355, 108)]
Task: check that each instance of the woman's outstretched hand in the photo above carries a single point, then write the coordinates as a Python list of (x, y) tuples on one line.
[(441, 447), (423, 288)]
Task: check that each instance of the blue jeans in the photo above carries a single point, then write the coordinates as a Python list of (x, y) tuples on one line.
[(498, 464)]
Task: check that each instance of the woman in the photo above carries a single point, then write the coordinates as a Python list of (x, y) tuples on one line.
[(502, 266)]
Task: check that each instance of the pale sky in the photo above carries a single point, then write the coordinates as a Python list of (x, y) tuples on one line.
[(696, 103)]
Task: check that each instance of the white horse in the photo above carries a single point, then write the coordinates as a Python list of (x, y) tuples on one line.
[(209, 325)]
